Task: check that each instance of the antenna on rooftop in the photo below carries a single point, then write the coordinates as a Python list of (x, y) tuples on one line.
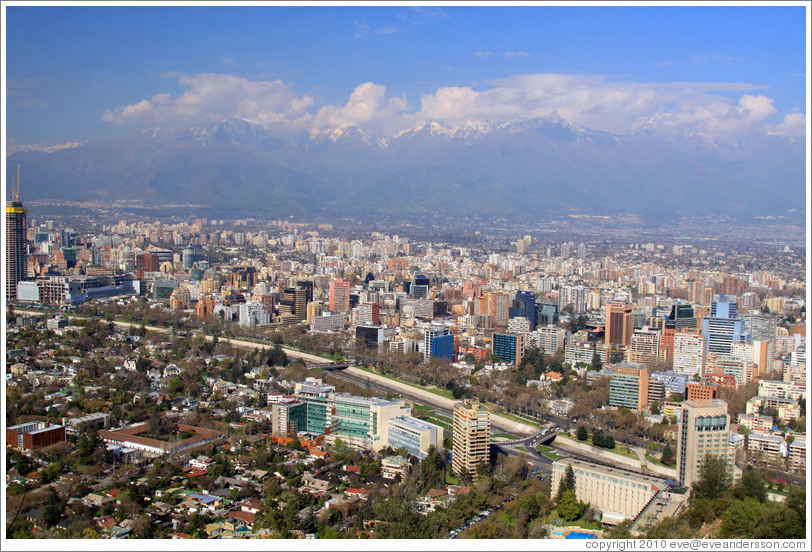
[(15, 190)]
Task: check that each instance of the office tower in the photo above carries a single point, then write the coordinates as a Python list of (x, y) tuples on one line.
[(244, 277), (16, 243), (68, 237), (288, 416), (546, 314), (629, 386), (681, 317), (722, 328), (689, 353), (420, 287), (704, 429), (619, 324), (367, 314), (439, 342), (363, 423), (315, 395), (307, 286), (293, 302), (188, 258), (510, 347), (524, 305), (416, 436), (472, 436), (339, 296)]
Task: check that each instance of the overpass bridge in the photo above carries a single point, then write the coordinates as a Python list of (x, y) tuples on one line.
[(329, 366)]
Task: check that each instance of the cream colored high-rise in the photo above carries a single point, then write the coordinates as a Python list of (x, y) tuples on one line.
[(472, 437), (704, 428)]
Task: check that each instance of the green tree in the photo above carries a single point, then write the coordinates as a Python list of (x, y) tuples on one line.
[(741, 518), (582, 434), (668, 454), (567, 483), (714, 478), (569, 508), (751, 485), (597, 364)]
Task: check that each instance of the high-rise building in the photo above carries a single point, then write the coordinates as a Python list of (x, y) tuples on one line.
[(619, 324), (524, 305), (498, 307), (420, 287), (704, 429), (510, 347), (315, 395), (572, 295), (689, 353), (439, 342), (472, 436), (339, 296), (645, 346), (16, 243), (722, 328), (629, 386)]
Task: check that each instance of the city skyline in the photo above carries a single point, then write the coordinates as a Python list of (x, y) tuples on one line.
[(94, 73)]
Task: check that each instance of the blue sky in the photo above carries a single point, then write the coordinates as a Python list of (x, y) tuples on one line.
[(88, 73)]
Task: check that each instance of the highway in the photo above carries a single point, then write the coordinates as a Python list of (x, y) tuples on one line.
[(500, 423)]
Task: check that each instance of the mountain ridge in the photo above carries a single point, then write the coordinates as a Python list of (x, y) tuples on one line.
[(536, 166)]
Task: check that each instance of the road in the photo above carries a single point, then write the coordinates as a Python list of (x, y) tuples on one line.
[(500, 423)]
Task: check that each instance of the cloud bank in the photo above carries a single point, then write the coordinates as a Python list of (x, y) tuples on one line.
[(714, 110)]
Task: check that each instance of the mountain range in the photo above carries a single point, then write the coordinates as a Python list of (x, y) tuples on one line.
[(539, 167)]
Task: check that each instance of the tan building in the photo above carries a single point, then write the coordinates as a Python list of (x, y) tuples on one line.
[(619, 324), (645, 346), (472, 436), (611, 490), (704, 428)]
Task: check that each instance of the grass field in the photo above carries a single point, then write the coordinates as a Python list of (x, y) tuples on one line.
[(548, 452), (657, 462), (619, 449)]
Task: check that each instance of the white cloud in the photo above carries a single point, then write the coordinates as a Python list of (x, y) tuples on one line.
[(517, 54), (793, 126), (367, 107), (715, 110), (599, 103), (211, 97), (479, 53)]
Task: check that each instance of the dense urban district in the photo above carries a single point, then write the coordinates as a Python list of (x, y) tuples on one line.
[(247, 379)]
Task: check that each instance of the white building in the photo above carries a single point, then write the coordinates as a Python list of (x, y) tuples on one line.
[(689, 354)]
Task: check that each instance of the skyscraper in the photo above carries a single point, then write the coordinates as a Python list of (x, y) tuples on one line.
[(339, 296), (524, 304), (722, 328), (704, 429), (472, 435), (16, 242), (619, 324)]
